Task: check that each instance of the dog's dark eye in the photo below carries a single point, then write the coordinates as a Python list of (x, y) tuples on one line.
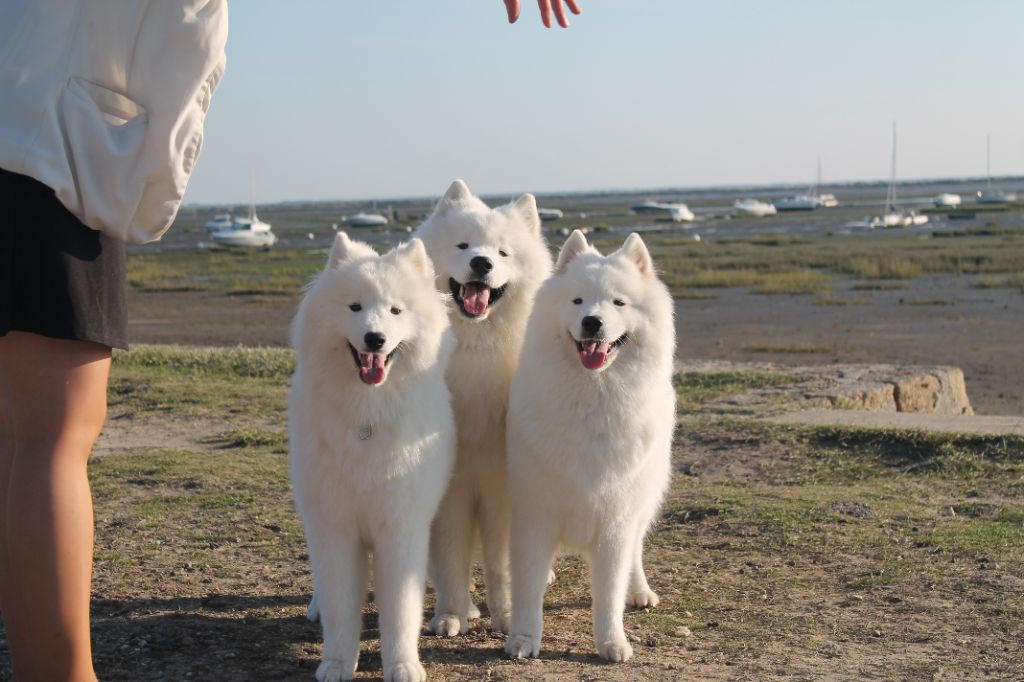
[(577, 301), (619, 302), (355, 307), (503, 254), (462, 245), (395, 310)]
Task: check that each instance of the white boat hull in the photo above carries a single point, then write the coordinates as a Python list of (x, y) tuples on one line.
[(755, 208), (681, 214), (244, 238), (798, 203), (366, 220), (996, 198)]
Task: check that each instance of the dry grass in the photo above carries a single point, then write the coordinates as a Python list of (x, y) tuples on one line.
[(781, 552)]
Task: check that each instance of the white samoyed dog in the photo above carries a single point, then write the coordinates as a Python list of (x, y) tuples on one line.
[(590, 423), (492, 261), (372, 444)]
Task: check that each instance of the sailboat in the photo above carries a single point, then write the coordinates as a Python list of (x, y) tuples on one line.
[(896, 217), (809, 201), (250, 231), (991, 196)]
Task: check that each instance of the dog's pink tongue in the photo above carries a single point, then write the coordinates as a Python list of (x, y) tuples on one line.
[(476, 296), (594, 354), (371, 368)]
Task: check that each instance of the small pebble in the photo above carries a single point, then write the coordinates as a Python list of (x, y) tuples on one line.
[(683, 631)]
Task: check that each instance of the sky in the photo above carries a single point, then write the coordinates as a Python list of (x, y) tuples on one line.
[(339, 99)]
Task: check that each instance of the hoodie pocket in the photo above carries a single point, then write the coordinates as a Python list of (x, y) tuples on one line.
[(105, 133)]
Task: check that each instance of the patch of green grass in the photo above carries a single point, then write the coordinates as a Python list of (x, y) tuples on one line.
[(882, 267), (784, 282), (240, 361), (723, 279), (917, 452), (789, 348), (701, 387), (280, 272), (250, 438)]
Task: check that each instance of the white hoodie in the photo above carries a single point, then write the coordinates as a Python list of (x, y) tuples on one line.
[(104, 101)]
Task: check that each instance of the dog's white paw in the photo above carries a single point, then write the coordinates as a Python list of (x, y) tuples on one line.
[(551, 577), (474, 612), (642, 600), (523, 646), (448, 625), (500, 622), (615, 651), (335, 670), (407, 671), (313, 610)]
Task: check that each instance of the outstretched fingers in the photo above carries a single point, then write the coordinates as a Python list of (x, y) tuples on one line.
[(512, 7)]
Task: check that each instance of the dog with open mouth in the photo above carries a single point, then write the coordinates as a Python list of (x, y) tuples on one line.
[(590, 423), (372, 444), (492, 261)]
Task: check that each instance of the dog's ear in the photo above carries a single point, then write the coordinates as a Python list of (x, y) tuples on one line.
[(457, 192), (526, 207), (635, 250), (415, 255), (341, 251), (573, 246)]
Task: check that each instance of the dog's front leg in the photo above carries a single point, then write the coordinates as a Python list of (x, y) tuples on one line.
[(451, 548), (339, 579), (400, 571), (640, 594), (610, 567), (533, 546), (495, 523)]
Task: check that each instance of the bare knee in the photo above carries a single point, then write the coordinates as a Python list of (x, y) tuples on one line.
[(55, 392)]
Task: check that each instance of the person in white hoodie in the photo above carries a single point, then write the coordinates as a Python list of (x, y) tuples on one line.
[(101, 123)]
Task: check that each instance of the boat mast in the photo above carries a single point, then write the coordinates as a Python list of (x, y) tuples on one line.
[(988, 160), (890, 197)]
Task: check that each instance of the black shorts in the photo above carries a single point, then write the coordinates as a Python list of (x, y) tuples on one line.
[(58, 278)]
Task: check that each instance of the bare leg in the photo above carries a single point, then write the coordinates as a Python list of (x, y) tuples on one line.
[(55, 398), (451, 550), (399, 575)]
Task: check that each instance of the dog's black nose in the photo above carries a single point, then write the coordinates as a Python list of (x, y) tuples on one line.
[(591, 324), (481, 265), (374, 340)]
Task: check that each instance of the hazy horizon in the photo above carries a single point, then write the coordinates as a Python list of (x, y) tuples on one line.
[(348, 102)]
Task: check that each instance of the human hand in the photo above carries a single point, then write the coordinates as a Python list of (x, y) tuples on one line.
[(546, 8)]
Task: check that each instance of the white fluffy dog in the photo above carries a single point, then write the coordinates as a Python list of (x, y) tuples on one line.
[(373, 442), (590, 422), (492, 261)]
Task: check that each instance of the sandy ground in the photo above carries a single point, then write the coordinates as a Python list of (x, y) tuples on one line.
[(979, 330)]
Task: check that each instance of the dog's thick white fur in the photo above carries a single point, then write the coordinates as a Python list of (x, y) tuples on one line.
[(373, 443), (492, 261), (590, 422)]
